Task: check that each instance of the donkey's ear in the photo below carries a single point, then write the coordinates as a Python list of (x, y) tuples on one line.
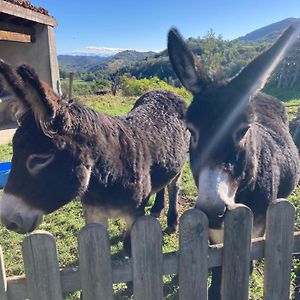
[(12, 87), (42, 99), (254, 76), (186, 65)]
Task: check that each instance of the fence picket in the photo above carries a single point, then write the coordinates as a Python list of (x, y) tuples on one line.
[(97, 272), (278, 250), (95, 263), (193, 255), (146, 244), (3, 282), (236, 253), (41, 267)]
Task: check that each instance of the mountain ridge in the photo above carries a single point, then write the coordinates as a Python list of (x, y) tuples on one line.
[(270, 31)]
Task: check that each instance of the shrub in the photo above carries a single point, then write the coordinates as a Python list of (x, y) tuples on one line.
[(131, 86)]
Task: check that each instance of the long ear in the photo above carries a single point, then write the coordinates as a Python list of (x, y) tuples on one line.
[(41, 97), (186, 65), (254, 76), (12, 85)]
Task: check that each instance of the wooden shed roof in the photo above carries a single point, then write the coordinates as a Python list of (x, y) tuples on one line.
[(28, 5), (14, 10)]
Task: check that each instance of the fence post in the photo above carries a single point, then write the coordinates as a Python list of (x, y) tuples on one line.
[(193, 255), (3, 283), (236, 253), (278, 250), (71, 80), (41, 267), (95, 263), (146, 245)]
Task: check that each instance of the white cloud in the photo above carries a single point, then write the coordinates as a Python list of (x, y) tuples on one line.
[(100, 51)]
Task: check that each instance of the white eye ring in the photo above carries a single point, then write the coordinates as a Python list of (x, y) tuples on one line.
[(36, 162), (194, 135)]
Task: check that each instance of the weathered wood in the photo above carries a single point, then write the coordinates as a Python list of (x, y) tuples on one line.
[(95, 263), (21, 12), (41, 267), (290, 105), (3, 282), (146, 245), (71, 80), (193, 254), (17, 288), (14, 37), (16, 33), (236, 253), (278, 250), (6, 26), (122, 269)]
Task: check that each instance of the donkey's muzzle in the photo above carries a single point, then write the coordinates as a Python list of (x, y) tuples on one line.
[(18, 216)]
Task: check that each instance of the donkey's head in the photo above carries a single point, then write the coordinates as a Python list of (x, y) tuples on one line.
[(219, 120), (48, 170)]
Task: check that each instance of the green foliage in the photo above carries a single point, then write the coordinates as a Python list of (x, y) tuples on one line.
[(220, 57), (131, 86), (6, 152), (85, 87)]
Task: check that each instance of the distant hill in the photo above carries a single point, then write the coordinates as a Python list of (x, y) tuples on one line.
[(76, 63), (94, 64), (269, 32), (219, 56)]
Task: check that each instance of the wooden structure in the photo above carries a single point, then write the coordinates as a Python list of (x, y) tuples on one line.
[(97, 273), (27, 36)]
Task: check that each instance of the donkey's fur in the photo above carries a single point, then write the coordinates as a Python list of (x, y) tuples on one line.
[(241, 150), (65, 150)]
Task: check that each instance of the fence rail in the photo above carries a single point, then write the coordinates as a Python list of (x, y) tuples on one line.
[(97, 272)]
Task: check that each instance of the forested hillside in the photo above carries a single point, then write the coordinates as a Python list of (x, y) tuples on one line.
[(222, 58)]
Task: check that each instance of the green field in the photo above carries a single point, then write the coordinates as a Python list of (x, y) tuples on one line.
[(65, 223)]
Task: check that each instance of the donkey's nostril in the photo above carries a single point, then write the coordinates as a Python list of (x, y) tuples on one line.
[(12, 226)]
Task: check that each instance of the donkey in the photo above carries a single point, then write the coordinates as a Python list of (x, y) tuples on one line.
[(241, 150), (65, 150)]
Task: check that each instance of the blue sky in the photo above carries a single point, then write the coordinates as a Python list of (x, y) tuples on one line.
[(143, 25)]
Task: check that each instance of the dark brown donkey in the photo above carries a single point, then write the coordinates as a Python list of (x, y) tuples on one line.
[(241, 150), (65, 150)]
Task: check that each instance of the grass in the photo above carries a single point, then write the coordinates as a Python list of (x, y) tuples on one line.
[(284, 94), (109, 104), (65, 223)]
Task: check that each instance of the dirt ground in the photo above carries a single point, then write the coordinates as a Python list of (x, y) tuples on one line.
[(6, 133)]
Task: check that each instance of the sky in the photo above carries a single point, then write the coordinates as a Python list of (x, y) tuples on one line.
[(143, 24)]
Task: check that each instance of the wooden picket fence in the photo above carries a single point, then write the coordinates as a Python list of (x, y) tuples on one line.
[(97, 272)]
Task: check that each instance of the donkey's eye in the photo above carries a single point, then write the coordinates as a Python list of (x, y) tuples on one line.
[(194, 135), (240, 132), (36, 162)]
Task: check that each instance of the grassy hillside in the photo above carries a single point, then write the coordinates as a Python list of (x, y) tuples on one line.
[(65, 223)]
